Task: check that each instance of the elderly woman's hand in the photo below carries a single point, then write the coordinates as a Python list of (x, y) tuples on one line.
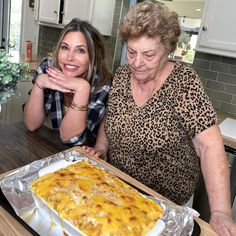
[(94, 151), (223, 224)]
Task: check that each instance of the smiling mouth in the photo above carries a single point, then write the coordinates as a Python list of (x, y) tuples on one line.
[(70, 67)]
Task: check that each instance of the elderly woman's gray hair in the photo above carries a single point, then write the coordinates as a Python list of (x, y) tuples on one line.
[(152, 19)]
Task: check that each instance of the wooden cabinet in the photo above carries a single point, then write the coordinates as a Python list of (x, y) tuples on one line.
[(217, 32), (58, 13), (12, 111)]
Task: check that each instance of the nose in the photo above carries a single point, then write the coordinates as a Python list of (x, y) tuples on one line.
[(70, 55), (138, 60)]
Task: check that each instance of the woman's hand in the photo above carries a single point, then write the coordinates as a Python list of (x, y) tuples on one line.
[(101, 147), (223, 224), (43, 82), (62, 82), (93, 151)]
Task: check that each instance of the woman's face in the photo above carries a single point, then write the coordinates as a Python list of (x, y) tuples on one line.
[(146, 57), (73, 57)]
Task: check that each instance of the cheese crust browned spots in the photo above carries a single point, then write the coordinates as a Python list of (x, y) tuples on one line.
[(97, 202)]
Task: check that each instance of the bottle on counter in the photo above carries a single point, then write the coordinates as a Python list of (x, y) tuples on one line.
[(28, 51)]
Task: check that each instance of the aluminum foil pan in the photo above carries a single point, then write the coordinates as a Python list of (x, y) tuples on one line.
[(16, 188)]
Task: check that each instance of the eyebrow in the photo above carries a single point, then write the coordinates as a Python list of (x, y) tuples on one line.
[(78, 46), (148, 51)]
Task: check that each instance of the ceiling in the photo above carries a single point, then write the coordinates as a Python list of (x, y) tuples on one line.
[(186, 8)]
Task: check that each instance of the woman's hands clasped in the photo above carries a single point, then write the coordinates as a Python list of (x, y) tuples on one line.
[(56, 80)]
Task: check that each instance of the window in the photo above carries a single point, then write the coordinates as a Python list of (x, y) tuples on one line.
[(190, 15), (15, 29), (187, 40)]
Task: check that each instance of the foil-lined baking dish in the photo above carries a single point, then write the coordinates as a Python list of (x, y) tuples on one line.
[(16, 188)]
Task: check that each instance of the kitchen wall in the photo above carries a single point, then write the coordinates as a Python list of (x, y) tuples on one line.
[(218, 74)]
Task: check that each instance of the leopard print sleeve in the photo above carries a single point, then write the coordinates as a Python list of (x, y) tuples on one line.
[(193, 106)]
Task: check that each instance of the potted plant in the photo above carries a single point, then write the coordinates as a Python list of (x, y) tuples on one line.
[(10, 74)]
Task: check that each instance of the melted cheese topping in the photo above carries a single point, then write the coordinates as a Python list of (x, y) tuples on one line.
[(97, 202)]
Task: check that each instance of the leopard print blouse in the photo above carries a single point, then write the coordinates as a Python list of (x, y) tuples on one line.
[(153, 143)]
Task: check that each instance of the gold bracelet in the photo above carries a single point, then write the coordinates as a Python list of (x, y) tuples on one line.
[(38, 85), (77, 107)]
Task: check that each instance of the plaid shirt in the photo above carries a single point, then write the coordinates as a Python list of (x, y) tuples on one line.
[(53, 104)]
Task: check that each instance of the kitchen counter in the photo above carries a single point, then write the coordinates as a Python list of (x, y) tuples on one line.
[(230, 143), (34, 63), (19, 147)]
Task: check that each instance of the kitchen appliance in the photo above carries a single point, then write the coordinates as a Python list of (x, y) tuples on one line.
[(228, 128)]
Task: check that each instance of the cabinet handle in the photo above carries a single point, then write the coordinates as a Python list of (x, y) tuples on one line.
[(55, 12), (204, 28)]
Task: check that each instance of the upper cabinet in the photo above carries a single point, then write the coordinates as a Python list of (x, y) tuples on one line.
[(49, 11), (102, 15), (58, 13), (76, 8), (217, 34)]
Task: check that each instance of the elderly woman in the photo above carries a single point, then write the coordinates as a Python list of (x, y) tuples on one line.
[(160, 126), (74, 91)]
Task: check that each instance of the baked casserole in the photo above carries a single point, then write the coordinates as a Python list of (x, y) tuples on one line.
[(96, 202)]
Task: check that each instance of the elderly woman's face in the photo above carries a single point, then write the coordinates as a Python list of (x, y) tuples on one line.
[(73, 57), (146, 57)]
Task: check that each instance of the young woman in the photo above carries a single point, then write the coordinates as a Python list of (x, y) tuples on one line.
[(74, 91)]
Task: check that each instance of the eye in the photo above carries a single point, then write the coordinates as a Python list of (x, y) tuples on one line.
[(148, 56), (64, 47), (131, 53), (81, 50)]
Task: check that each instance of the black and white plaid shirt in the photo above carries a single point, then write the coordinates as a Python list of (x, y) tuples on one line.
[(53, 103)]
